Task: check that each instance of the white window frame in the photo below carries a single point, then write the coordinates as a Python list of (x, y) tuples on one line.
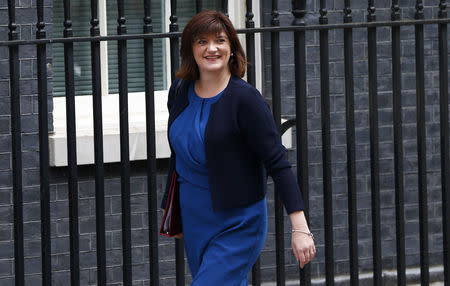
[(136, 102)]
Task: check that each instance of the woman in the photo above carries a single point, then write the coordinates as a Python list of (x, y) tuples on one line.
[(223, 140)]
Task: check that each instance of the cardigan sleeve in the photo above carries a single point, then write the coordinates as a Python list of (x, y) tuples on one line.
[(171, 96), (258, 128), (170, 102)]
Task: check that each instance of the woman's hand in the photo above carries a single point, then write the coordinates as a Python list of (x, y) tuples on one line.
[(303, 248), (302, 242)]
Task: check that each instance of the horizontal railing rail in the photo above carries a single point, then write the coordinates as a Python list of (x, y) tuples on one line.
[(239, 31)]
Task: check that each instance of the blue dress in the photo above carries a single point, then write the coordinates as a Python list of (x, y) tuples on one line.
[(222, 246)]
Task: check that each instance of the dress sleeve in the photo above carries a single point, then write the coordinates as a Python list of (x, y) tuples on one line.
[(258, 128)]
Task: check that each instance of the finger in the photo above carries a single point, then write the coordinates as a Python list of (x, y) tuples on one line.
[(302, 259), (296, 254), (309, 255), (312, 253), (294, 251)]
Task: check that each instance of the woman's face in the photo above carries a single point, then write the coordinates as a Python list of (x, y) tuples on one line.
[(212, 52)]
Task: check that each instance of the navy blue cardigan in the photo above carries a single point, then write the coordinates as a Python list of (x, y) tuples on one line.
[(241, 144)]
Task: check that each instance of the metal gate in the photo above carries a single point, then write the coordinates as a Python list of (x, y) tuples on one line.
[(298, 28)]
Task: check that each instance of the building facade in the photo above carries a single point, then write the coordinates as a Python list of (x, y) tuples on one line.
[(26, 12)]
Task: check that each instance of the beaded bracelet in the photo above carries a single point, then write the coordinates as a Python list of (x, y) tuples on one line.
[(304, 232)]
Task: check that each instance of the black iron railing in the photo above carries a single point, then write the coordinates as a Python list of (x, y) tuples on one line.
[(350, 128), (298, 28), (98, 145), (16, 151)]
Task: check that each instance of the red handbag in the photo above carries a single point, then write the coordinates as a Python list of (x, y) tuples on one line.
[(171, 220)]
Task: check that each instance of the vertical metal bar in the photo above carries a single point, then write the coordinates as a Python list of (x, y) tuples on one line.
[(198, 5), (421, 147), (326, 146), (276, 109), (250, 44), (174, 41), (124, 145), (151, 148), (43, 149), (445, 146), (225, 6), (299, 12), (374, 157), (14, 74), (71, 149), (256, 273), (98, 147), (174, 65), (250, 49), (351, 165), (398, 138)]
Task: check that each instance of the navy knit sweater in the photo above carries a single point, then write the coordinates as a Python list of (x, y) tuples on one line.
[(242, 145)]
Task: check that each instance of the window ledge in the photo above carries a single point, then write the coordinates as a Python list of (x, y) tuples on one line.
[(111, 130)]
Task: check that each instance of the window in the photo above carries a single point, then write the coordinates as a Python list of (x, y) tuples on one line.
[(80, 16)]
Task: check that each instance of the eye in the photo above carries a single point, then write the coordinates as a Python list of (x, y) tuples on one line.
[(201, 42), (221, 40)]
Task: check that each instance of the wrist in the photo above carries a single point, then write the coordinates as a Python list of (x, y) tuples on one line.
[(298, 221), (308, 233)]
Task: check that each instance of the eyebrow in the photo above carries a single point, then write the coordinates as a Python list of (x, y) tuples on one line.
[(204, 37)]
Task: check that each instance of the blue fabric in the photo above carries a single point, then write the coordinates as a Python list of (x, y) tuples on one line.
[(242, 146), (221, 246)]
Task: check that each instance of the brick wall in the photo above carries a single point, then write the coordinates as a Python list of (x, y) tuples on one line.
[(26, 16), (338, 132)]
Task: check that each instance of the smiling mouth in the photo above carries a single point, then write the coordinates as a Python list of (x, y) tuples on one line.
[(212, 57)]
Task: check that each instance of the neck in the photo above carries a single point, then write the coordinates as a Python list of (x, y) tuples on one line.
[(210, 84)]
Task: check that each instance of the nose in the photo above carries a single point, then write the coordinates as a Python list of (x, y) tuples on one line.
[(211, 47)]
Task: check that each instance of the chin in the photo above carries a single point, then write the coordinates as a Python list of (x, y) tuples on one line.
[(214, 69)]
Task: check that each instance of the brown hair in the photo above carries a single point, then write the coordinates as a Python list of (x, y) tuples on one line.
[(209, 22)]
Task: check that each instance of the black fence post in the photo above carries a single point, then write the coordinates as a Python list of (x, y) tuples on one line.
[(421, 145), (124, 145), (350, 136), (276, 110), (43, 147), (174, 65), (326, 145), (225, 7), (98, 147), (250, 49), (250, 44), (299, 12), (445, 146), (151, 147), (198, 6), (374, 154), (174, 41), (71, 148), (14, 74), (398, 138)]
